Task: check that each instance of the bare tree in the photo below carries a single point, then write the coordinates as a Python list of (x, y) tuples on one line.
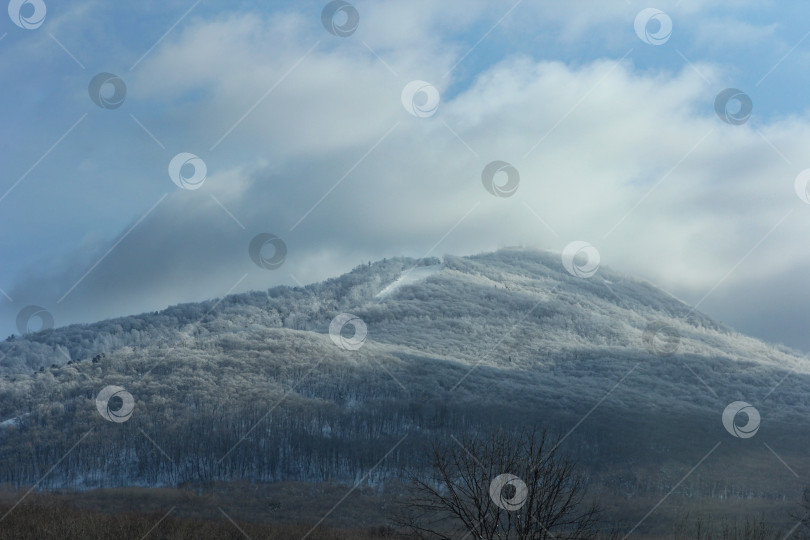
[(499, 485), (802, 515)]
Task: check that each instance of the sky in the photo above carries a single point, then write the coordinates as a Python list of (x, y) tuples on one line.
[(145, 147)]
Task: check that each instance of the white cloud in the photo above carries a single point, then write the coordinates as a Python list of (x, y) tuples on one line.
[(605, 133)]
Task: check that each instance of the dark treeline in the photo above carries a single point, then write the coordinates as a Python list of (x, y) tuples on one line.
[(48, 518), (315, 440)]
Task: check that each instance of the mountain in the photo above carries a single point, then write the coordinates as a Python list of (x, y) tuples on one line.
[(256, 387)]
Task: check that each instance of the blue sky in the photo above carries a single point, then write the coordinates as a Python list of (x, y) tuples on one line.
[(304, 136)]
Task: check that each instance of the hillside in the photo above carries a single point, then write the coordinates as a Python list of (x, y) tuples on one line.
[(253, 387)]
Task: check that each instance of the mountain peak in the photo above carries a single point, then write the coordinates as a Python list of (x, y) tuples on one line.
[(393, 348)]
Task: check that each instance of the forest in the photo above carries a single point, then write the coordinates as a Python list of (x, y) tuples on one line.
[(252, 388)]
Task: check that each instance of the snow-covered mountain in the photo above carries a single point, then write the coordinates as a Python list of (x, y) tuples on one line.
[(254, 386)]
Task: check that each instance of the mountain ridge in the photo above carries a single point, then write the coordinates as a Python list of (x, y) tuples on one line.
[(254, 386), (533, 282)]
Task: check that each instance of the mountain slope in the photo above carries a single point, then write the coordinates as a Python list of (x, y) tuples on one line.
[(254, 387)]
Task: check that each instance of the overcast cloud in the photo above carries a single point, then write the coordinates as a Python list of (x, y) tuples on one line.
[(304, 136)]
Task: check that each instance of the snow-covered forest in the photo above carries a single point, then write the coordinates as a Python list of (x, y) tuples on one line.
[(252, 387)]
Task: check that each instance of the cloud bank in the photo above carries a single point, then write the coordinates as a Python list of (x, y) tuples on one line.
[(305, 136)]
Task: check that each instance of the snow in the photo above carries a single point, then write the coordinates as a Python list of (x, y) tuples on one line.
[(409, 277), (11, 422)]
